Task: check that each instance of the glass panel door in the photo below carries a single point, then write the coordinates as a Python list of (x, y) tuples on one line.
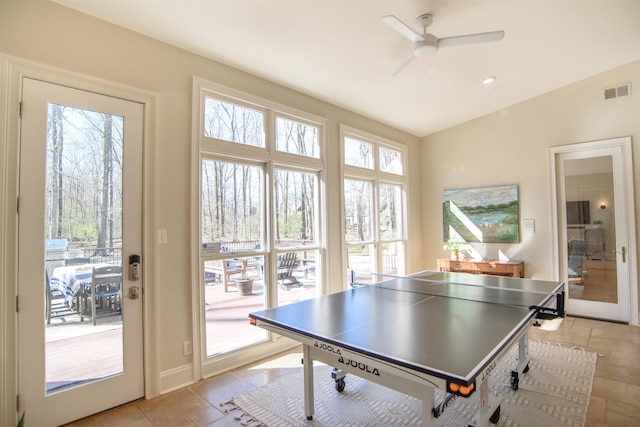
[(80, 212), (591, 229), (592, 205), (83, 232)]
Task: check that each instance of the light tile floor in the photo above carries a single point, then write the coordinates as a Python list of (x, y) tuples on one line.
[(615, 397)]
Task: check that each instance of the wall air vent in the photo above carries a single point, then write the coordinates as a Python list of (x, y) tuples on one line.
[(618, 91)]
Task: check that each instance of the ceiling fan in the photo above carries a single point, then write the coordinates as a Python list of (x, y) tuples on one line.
[(427, 44)]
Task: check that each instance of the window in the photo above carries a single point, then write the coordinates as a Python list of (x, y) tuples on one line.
[(231, 203), (232, 122), (297, 138), (358, 153), (259, 213), (374, 207), (390, 160)]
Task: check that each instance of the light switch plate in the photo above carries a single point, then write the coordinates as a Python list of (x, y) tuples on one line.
[(162, 237), (529, 225)]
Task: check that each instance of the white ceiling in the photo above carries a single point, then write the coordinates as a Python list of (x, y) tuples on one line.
[(340, 51)]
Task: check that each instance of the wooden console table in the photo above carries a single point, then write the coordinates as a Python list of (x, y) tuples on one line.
[(492, 267)]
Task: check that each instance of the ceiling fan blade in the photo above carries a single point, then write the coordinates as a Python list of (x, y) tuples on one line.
[(492, 36), (404, 65), (401, 27)]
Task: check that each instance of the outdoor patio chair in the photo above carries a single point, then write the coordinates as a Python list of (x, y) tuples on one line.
[(56, 304), (103, 296), (231, 267), (287, 262)]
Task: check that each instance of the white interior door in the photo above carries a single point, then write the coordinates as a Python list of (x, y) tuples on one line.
[(594, 235), (80, 198)]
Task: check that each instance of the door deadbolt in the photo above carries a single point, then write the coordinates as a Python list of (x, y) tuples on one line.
[(134, 267)]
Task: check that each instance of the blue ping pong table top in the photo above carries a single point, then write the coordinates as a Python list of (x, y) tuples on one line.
[(441, 323)]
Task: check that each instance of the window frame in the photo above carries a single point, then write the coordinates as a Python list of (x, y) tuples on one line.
[(270, 159), (376, 177)]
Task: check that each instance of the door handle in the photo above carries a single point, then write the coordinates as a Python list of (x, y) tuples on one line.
[(134, 293), (622, 252)]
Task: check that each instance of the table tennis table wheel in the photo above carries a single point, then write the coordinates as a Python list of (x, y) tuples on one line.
[(340, 384), (515, 381)]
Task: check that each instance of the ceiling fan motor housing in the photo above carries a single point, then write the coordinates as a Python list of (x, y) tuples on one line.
[(426, 47)]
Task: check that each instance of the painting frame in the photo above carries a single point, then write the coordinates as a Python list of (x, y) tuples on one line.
[(481, 214)]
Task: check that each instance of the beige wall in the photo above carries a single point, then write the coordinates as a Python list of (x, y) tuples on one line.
[(506, 147), (510, 146), (50, 34)]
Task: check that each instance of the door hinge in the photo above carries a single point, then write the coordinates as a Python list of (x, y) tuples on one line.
[(20, 108), (18, 403), (18, 205), (17, 304)]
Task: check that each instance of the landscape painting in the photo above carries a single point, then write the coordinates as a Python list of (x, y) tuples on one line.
[(481, 215)]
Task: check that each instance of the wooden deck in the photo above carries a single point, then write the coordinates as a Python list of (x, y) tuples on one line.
[(77, 351), (227, 314)]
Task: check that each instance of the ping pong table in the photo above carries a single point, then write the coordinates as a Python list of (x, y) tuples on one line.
[(418, 333)]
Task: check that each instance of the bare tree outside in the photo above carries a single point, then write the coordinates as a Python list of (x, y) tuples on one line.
[(259, 173), (235, 123), (231, 203), (357, 207), (374, 206), (55, 150), (294, 207), (84, 159), (231, 191)]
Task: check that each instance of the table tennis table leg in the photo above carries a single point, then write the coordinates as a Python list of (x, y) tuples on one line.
[(523, 361), (428, 400), (308, 381), (489, 406)]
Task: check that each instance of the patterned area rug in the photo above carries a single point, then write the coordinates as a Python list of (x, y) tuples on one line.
[(554, 392)]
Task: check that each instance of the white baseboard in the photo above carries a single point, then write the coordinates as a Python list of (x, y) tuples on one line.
[(176, 378)]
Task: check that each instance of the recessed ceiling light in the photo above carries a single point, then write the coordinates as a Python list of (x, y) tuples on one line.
[(489, 80)]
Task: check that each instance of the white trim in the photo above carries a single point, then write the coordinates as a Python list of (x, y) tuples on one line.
[(376, 177), (377, 141), (226, 92), (197, 293), (8, 325), (625, 145), (14, 70), (176, 378), (269, 158)]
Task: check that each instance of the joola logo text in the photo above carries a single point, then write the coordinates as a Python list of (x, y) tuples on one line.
[(359, 365), (327, 347)]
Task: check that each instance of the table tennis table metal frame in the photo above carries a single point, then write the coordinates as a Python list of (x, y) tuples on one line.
[(405, 378), (417, 384)]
